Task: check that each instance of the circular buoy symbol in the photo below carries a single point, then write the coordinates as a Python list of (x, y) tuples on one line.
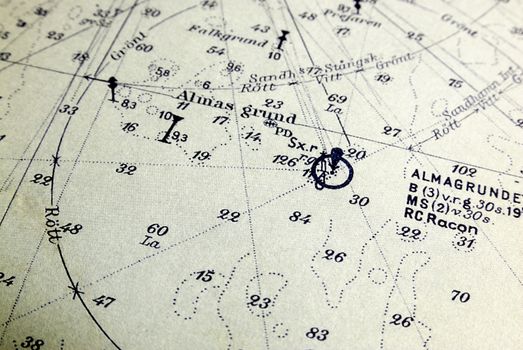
[(332, 171)]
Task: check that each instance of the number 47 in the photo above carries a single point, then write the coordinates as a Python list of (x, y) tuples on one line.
[(103, 300)]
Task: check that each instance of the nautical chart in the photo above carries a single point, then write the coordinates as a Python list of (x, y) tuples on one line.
[(261, 174)]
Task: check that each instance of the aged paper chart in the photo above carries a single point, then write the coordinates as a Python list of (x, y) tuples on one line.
[(261, 174)]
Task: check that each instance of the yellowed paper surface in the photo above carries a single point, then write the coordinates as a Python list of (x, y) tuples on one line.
[(261, 174)]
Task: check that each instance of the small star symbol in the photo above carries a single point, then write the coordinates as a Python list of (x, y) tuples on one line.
[(55, 160), (76, 290)]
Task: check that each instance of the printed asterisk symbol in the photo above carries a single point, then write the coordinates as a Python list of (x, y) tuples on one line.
[(76, 290), (55, 160)]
